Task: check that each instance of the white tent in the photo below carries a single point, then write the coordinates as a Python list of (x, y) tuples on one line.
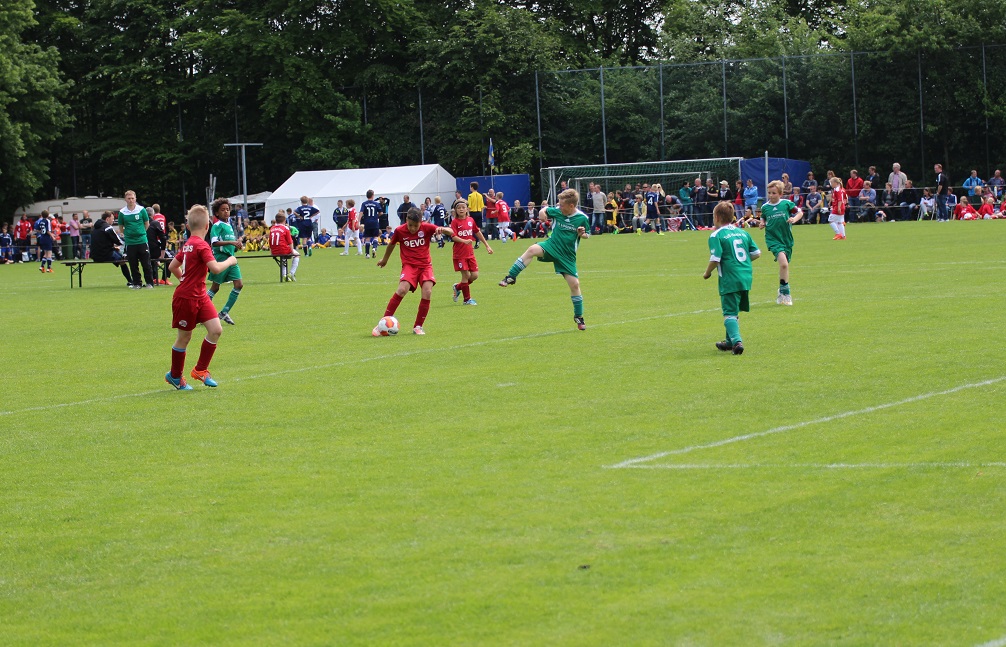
[(327, 187)]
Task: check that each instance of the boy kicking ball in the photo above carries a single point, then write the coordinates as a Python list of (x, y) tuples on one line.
[(731, 251), (569, 225), (191, 305)]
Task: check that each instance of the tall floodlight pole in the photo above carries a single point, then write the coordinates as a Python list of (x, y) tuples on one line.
[(244, 172)]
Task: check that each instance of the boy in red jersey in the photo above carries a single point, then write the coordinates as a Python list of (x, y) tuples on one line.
[(465, 232), (351, 232), (417, 266), (281, 244), (190, 304)]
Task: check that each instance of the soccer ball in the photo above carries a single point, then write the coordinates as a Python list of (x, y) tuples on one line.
[(387, 326)]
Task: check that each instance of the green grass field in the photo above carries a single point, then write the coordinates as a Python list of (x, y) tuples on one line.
[(507, 479)]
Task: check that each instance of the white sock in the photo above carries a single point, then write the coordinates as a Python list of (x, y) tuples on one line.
[(841, 228), (834, 227), (293, 266)]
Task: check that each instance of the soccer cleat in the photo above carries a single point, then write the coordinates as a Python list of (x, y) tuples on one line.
[(344, 254), (780, 299), (738, 348), (418, 330), (204, 377), (373, 252), (42, 270), (837, 237), (292, 277), (787, 299), (226, 318), (48, 270), (179, 384), (375, 332), (843, 236), (725, 345), (580, 325), (470, 302), (457, 293), (149, 286), (507, 280), (134, 287)]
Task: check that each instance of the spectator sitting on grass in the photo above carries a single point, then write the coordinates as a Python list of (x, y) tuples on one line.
[(987, 210), (964, 211), (324, 239)]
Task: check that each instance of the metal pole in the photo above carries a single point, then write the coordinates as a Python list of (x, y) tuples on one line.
[(765, 188), (922, 121), (855, 114), (244, 171), (422, 145), (483, 129), (726, 142), (660, 71), (537, 107), (785, 105), (604, 129), (365, 106), (985, 84)]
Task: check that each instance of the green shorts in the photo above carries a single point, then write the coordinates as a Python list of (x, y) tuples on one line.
[(779, 250), (562, 264), (232, 273), (734, 303)]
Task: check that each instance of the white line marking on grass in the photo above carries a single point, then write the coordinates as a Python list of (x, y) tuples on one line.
[(822, 466), (407, 353), (998, 642), (633, 462)]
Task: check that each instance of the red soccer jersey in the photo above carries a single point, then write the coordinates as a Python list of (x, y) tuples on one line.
[(194, 256), (159, 217), (414, 248), (838, 201), (280, 240), (464, 228), (491, 206), (352, 220), (23, 228), (503, 211)]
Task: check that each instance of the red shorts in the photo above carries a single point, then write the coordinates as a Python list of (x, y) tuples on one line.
[(186, 313), (469, 264), (416, 276)]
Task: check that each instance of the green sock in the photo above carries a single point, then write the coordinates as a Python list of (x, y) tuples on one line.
[(211, 294), (516, 268), (783, 287), (577, 306), (231, 300), (733, 329)]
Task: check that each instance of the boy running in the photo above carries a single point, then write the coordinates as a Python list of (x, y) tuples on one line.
[(731, 251), (465, 233), (569, 225), (191, 305), (417, 266), (777, 219), (224, 243)]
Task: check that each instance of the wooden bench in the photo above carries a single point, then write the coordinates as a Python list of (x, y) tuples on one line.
[(77, 266)]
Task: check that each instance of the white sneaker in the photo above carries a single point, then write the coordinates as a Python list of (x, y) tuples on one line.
[(418, 330), (787, 299), (780, 300), (344, 254)]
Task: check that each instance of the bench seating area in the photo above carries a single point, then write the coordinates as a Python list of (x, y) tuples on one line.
[(77, 265)]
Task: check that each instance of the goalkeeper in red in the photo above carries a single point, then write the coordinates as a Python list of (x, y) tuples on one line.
[(731, 251), (569, 226)]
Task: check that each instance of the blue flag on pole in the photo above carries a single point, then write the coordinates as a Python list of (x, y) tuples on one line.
[(492, 158)]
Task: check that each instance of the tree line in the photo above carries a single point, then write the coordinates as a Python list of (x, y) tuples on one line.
[(104, 95)]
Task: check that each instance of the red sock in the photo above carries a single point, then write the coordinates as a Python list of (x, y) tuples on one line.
[(205, 355), (392, 305), (466, 290), (177, 362), (424, 309)]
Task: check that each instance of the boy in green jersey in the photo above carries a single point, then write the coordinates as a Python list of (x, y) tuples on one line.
[(224, 243), (731, 251), (569, 225), (777, 219)]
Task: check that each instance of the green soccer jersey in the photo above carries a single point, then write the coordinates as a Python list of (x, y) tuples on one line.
[(563, 241), (733, 249), (134, 225), (224, 232), (778, 230)]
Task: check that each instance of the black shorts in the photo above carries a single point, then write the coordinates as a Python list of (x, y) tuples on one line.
[(371, 233)]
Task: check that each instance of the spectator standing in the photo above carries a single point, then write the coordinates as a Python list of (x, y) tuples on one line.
[(598, 200), (86, 226), (73, 228), (973, 184), (724, 194), (492, 218), (519, 216), (22, 238), (809, 182), (133, 220), (852, 188), (739, 200), (873, 178), (476, 204), (157, 241), (403, 209), (340, 215), (687, 204), (155, 214), (751, 196), (701, 198), (942, 194)]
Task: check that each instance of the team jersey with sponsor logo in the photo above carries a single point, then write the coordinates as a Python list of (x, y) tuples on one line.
[(222, 231), (733, 249), (778, 230), (194, 256), (414, 248), (464, 228)]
